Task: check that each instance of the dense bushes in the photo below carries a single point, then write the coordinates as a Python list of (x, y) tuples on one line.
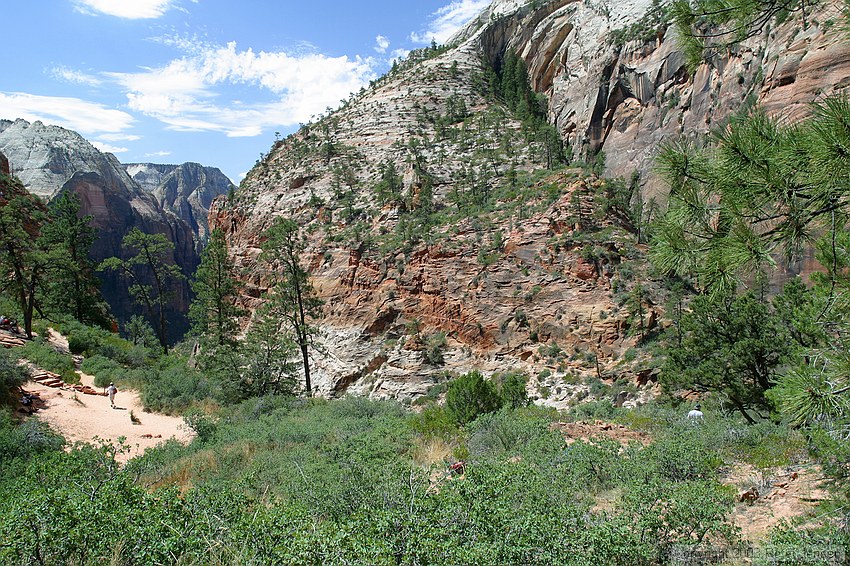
[(12, 376), (470, 395), (20, 441), (170, 385), (282, 480), (91, 341)]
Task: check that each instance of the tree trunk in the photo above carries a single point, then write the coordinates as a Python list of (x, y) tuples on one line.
[(740, 406), (307, 385)]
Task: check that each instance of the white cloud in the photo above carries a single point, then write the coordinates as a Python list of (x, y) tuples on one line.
[(187, 93), (106, 148), (158, 154), (72, 113), (130, 9), (399, 54), (449, 19), (118, 137), (381, 44), (75, 77)]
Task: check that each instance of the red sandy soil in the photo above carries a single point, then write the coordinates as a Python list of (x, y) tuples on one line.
[(90, 418), (586, 431), (788, 494)]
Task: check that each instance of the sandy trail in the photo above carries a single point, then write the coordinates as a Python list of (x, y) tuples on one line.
[(85, 418)]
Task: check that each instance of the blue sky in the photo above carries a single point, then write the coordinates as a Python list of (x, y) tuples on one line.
[(170, 81)]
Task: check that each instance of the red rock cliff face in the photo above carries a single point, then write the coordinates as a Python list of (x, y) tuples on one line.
[(50, 160), (624, 99), (501, 285), (531, 288)]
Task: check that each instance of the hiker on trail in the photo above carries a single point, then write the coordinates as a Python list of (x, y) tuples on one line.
[(695, 414), (112, 390)]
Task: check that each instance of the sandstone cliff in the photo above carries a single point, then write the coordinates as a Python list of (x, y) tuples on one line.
[(186, 190), (609, 94), (623, 93), (50, 160)]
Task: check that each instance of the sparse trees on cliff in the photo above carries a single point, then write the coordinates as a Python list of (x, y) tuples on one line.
[(151, 274), (291, 297), (388, 190)]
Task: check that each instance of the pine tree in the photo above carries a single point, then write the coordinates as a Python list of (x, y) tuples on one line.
[(72, 287), (291, 297), (22, 255), (732, 345), (268, 354), (152, 275), (214, 313), (706, 27), (388, 189), (764, 189)]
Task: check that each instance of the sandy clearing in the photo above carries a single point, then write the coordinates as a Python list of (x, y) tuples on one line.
[(86, 418), (788, 495)]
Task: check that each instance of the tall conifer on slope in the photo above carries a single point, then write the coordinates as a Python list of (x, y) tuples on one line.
[(72, 287), (291, 297), (214, 313), (151, 274)]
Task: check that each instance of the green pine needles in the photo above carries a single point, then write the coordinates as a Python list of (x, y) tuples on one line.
[(707, 27), (762, 188)]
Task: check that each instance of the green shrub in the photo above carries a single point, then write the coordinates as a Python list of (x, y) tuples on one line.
[(681, 513), (173, 386), (77, 345), (511, 387), (41, 354), (433, 394), (470, 395), (600, 409), (435, 344), (202, 424), (511, 432), (24, 440), (680, 454), (12, 376), (832, 452), (94, 341), (594, 465), (434, 421), (104, 370)]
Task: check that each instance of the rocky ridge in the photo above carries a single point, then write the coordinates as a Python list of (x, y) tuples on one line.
[(608, 94), (51, 160), (185, 190)]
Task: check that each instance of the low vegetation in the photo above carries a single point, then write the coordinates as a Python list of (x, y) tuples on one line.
[(283, 480)]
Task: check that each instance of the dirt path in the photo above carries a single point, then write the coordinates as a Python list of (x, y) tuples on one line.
[(80, 417)]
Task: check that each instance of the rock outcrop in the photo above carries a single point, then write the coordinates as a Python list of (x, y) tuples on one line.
[(625, 96), (186, 190), (517, 285), (50, 160)]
